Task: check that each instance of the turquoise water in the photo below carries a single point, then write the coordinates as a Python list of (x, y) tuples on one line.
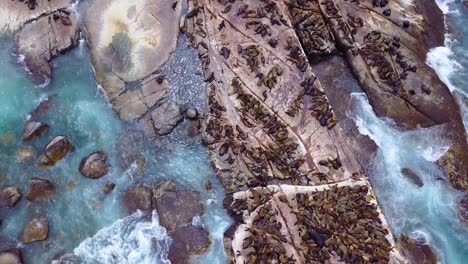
[(79, 210)]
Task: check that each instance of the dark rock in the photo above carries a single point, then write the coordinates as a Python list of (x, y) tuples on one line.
[(188, 241), (417, 251), (463, 208), (208, 186), (108, 188), (176, 207), (193, 128), (139, 197), (34, 129), (40, 190), (95, 165), (36, 230), (11, 256), (43, 107), (412, 176), (10, 196), (25, 154), (57, 148)]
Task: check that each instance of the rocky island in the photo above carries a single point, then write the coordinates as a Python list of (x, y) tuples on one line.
[(293, 164)]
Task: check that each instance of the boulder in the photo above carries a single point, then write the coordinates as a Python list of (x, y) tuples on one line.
[(417, 251), (25, 154), (10, 196), (191, 113), (46, 38), (177, 207), (11, 256), (166, 118), (412, 176), (57, 148), (95, 165), (188, 241), (34, 129), (44, 106), (36, 230), (139, 197), (40, 190)]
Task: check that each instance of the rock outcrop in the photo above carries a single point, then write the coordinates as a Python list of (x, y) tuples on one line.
[(293, 184), (95, 165), (45, 38), (36, 230), (10, 196), (129, 43), (176, 210), (40, 190), (385, 45)]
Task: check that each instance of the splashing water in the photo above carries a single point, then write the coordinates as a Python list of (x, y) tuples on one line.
[(428, 211)]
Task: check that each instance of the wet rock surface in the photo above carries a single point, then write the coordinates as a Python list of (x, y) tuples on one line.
[(40, 190), (463, 208), (34, 129), (46, 38), (10, 196), (25, 154), (176, 209), (417, 251), (95, 165), (11, 256), (36, 230), (57, 149)]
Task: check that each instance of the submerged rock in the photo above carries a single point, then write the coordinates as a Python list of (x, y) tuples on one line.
[(40, 190), (57, 149), (463, 208), (95, 165), (34, 129), (11, 256), (44, 106), (10, 196), (108, 188), (36, 230), (412, 176), (25, 154), (417, 251), (139, 197)]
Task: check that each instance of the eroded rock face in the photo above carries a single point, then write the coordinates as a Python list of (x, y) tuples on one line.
[(34, 129), (95, 165), (46, 38), (36, 230), (10, 196), (463, 208), (11, 256), (417, 252), (40, 190), (129, 43), (57, 149)]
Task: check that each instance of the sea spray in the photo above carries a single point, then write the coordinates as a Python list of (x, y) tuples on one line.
[(131, 240), (430, 210)]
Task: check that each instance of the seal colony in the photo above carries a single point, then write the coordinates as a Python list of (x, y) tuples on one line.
[(295, 188)]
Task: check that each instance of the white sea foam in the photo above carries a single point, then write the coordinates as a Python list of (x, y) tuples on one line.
[(130, 240)]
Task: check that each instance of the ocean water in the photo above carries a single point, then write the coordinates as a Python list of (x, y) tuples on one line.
[(84, 224), (430, 212)]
